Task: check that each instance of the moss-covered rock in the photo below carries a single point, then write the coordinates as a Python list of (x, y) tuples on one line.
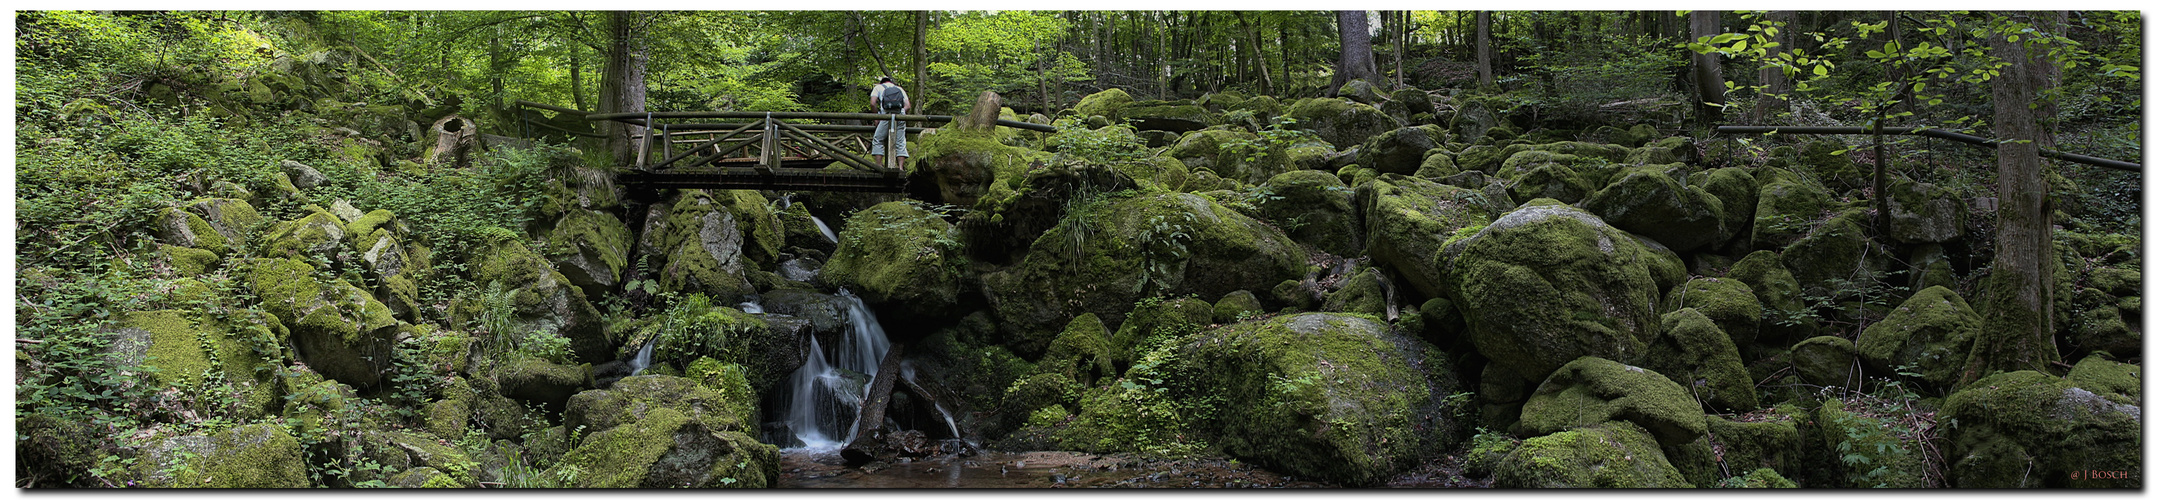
[(901, 257), (972, 167), (541, 382), (1921, 212), (1592, 390), (1740, 195), (541, 299), (1836, 258), (1409, 219), (1340, 122), (1083, 351), (711, 240), (1551, 180), (1360, 294), (1336, 397), (1758, 478), (188, 261), (377, 238), (1611, 455), (1828, 160), (1162, 244), (399, 452), (1930, 333), (728, 407), (319, 235), (2112, 379), (1728, 302), (1155, 321), (1770, 443), (1315, 208), (2029, 429), (1694, 350), (1789, 206), (1855, 450), (1825, 360), (1644, 201), (1237, 306), (1476, 116), (1109, 103), (1549, 283), (248, 456), (590, 248), (1784, 313), (1400, 151), (667, 448), (341, 331), (191, 351)]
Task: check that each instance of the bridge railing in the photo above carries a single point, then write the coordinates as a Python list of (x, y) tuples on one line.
[(707, 137)]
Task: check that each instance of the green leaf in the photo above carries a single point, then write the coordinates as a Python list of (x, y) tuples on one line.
[(1819, 70)]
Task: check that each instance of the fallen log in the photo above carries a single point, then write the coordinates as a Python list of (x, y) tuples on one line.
[(867, 444)]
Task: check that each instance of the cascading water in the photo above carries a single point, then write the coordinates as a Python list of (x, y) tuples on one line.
[(643, 359), (824, 398), (821, 228), (750, 307)]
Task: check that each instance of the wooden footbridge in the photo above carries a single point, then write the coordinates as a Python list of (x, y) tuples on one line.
[(777, 151)]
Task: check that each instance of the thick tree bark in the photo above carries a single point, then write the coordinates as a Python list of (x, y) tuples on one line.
[(1356, 62), (1707, 69), (622, 88), (921, 60), (2018, 300), (1483, 74)]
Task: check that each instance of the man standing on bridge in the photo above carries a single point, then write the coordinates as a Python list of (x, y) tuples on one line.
[(891, 100)]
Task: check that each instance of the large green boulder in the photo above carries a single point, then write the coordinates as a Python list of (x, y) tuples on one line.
[(1919, 212), (1930, 334), (2108, 378), (378, 239), (536, 298), (1826, 360), (971, 167), (1401, 150), (634, 398), (2027, 429), (1082, 352), (341, 331), (1591, 391), (248, 456), (220, 225), (1857, 449), (1784, 314), (902, 258), (709, 242), (1770, 442), (542, 382), (319, 236), (1225, 152), (1340, 398), (667, 448), (1161, 244), (1315, 208), (1549, 283), (399, 452), (1788, 208), (1728, 302), (1740, 195), (1109, 103), (1837, 258), (1340, 122), (1645, 201), (1408, 220), (1551, 180), (590, 248), (1155, 321), (1610, 455), (193, 351), (1694, 350)]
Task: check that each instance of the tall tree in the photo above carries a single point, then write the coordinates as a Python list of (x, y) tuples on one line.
[(921, 58), (1483, 74), (1774, 98), (1356, 62), (2018, 315), (1253, 54), (622, 89), (1708, 68)]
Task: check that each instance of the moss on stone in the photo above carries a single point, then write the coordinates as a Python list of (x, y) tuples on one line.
[(542, 299), (1890, 460), (1549, 283), (668, 449), (591, 249), (1407, 221), (1611, 455), (1757, 478), (2109, 378), (1770, 443), (1155, 321), (248, 456), (1785, 315), (1082, 351), (318, 235), (1550, 180), (1825, 360), (1788, 208), (1930, 334), (1340, 122), (897, 253), (1592, 390), (1361, 294), (1697, 352), (1313, 207), (1109, 103), (1645, 201), (1236, 306), (1740, 195), (188, 261), (1729, 302)]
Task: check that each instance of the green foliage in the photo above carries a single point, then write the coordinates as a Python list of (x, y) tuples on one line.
[(1578, 77), (1001, 51)]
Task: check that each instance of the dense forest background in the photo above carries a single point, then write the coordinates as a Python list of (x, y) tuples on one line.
[(123, 118)]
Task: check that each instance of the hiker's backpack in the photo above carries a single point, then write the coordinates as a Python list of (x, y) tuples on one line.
[(893, 100)]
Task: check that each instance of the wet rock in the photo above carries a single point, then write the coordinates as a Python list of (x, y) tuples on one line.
[(902, 258)]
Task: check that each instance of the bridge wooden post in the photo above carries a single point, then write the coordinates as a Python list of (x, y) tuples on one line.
[(770, 158)]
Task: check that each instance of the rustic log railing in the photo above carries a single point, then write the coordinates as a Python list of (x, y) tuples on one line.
[(1927, 132)]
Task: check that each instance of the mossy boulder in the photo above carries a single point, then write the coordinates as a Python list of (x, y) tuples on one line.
[(1082, 352), (970, 167), (590, 248), (1757, 478), (710, 241), (378, 240), (901, 258), (1784, 312), (188, 261), (1109, 103), (1340, 398), (667, 448), (1340, 122), (319, 235), (1836, 258), (1645, 201), (2120, 381), (542, 382), (1770, 442), (1919, 212), (341, 331), (1476, 116), (1891, 455), (1728, 302), (58, 451), (1161, 244), (399, 452), (1437, 164), (193, 351), (1237, 306), (1408, 220), (1825, 360), (1829, 160), (1740, 195), (185, 229), (1154, 321), (1694, 350), (1551, 180), (540, 298), (1550, 283), (728, 407), (248, 456), (1931, 333), (2028, 429), (1362, 293), (1788, 208), (1316, 208), (1591, 391), (1401, 150), (1229, 153), (1167, 116), (1611, 455)]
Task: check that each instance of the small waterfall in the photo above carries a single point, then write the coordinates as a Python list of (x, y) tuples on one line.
[(820, 227), (824, 399), (643, 359), (750, 307)]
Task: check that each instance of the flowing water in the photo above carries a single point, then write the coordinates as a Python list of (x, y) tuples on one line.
[(821, 228), (826, 392), (643, 359)]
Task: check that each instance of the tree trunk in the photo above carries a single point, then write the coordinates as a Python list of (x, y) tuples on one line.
[(1356, 62), (576, 79), (1707, 69), (2018, 300), (1774, 99), (1484, 77), (1400, 47), (921, 60), (622, 88), (1258, 54)]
